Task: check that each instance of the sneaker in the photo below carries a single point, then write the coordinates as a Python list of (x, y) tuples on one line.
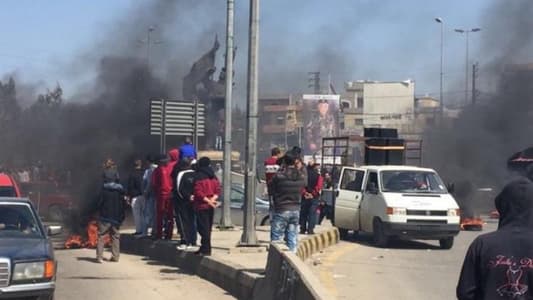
[(113, 259), (190, 247), (99, 260), (310, 232), (182, 247)]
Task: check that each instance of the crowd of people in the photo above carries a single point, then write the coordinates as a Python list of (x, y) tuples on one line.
[(173, 188)]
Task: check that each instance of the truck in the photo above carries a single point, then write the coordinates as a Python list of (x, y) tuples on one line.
[(388, 200)]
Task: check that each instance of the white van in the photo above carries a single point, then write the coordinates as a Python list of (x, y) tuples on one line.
[(396, 201)]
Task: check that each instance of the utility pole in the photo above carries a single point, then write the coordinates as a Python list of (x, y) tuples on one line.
[(314, 81), (149, 42), (226, 215), (474, 78), (249, 236)]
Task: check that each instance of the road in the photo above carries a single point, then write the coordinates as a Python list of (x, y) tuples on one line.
[(80, 277), (407, 270)]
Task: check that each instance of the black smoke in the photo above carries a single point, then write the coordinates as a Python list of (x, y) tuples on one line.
[(473, 149)]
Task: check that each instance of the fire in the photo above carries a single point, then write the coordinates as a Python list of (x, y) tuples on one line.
[(471, 224), (77, 241)]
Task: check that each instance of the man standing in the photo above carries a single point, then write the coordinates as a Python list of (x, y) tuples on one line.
[(135, 196), (187, 150), (185, 215), (162, 187), (310, 199), (287, 185), (206, 193), (271, 168), (498, 265), (111, 209), (149, 196)]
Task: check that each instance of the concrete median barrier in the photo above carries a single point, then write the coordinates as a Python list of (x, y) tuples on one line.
[(286, 275)]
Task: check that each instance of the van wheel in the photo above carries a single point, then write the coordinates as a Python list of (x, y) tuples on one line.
[(380, 237), (446, 243), (343, 233)]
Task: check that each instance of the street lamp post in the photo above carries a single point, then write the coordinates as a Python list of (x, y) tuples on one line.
[(441, 22), (467, 32)]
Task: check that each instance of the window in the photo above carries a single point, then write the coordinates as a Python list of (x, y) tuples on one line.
[(352, 180), (359, 122), (412, 181), (360, 102), (372, 179), (237, 196), (18, 220)]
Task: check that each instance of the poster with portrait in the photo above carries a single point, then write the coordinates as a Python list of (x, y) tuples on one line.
[(321, 119)]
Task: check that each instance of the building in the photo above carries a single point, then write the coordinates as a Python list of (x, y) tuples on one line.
[(280, 123), (378, 104)]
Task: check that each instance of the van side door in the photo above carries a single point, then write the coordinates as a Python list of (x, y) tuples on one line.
[(348, 201)]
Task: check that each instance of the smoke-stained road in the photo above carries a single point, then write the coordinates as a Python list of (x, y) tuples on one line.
[(79, 277), (407, 270)]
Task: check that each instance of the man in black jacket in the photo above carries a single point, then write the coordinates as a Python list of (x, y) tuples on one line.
[(185, 215), (111, 209), (286, 187), (499, 265)]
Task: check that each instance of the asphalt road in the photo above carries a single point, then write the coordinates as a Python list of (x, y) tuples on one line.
[(408, 270), (79, 277)]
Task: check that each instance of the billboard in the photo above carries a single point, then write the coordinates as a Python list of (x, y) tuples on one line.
[(321, 119)]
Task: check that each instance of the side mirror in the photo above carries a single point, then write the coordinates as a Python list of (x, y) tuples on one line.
[(54, 230), (450, 187), (372, 188)]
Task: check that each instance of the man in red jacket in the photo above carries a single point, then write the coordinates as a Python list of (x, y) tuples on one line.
[(205, 200), (162, 186), (310, 199)]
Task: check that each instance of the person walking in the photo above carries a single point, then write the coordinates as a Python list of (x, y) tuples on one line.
[(111, 210), (286, 187), (136, 197), (162, 187), (185, 215), (206, 193), (187, 150), (498, 265), (149, 196), (310, 199)]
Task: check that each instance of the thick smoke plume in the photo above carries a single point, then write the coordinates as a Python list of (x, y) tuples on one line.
[(473, 149)]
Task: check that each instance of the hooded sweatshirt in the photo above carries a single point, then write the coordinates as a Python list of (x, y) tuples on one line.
[(206, 184), (286, 189), (499, 265)]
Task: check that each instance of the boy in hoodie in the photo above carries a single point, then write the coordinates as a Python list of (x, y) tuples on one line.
[(206, 193), (286, 187), (162, 187), (111, 209), (499, 265)]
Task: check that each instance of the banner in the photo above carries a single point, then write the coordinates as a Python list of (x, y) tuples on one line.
[(321, 119)]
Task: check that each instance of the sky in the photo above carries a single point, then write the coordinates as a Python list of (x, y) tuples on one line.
[(388, 40)]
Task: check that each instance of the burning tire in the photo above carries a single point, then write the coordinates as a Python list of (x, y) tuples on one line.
[(446, 243)]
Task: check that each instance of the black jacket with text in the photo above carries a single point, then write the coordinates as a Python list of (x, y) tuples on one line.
[(499, 264)]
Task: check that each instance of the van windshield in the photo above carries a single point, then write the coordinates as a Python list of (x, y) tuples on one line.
[(411, 182)]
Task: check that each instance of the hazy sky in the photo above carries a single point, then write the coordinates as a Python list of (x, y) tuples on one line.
[(349, 39)]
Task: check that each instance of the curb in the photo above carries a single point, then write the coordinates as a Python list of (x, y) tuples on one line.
[(229, 276), (317, 242)]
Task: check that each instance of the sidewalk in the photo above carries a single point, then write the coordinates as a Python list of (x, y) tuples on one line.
[(225, 246)]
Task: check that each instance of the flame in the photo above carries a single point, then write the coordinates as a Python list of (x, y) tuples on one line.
[(77, 241), (471, 224)]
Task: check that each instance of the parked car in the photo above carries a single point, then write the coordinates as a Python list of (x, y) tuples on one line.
[(8, 186), (52, 200), (237, 208), (27, 263)]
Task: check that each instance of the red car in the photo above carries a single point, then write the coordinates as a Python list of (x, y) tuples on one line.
[(51, 200), (8, 186)]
